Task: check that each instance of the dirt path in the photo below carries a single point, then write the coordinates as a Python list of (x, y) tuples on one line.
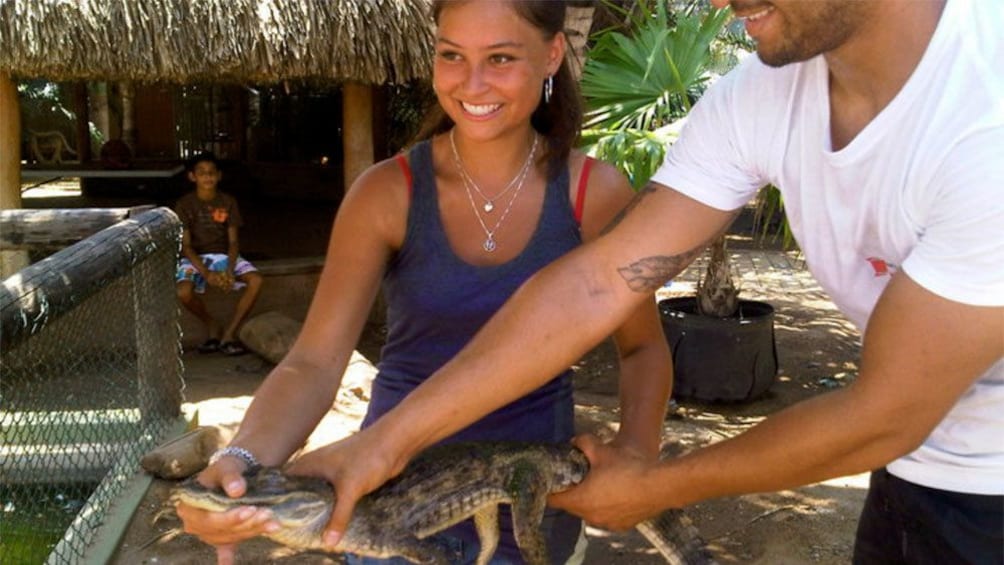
[(817, 350)]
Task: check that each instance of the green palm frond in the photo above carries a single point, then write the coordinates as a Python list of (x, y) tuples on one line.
[(637, 153), (645, 80)]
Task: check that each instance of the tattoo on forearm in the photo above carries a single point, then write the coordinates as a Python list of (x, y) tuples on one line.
[(650, 273), (645, 191)]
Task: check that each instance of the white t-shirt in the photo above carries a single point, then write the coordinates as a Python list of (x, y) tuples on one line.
[(920, 188)]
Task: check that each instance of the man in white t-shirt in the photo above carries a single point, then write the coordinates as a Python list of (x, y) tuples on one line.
[(882, 123)]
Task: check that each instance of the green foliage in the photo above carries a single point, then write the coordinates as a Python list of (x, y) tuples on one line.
[(46, 106), (769, 221), (408, 105), (638, 85), (653, 77), (637, 153)]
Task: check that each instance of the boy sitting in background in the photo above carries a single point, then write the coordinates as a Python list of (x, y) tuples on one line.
[(210, 253)]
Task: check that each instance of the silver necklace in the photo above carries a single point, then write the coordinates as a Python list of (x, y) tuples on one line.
[(489, 204), (490, 244)]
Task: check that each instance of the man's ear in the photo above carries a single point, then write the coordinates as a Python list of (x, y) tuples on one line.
[(191, 176)]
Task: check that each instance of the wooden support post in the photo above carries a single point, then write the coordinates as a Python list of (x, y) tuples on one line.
[(10, 145), (10, 167), (99, 108), (357, 121), (127, 94), (81, 109), (357, 140)]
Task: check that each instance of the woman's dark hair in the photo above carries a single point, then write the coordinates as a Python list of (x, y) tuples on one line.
[(560, 120)]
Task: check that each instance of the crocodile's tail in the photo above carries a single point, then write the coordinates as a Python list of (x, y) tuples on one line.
[(676, 538)]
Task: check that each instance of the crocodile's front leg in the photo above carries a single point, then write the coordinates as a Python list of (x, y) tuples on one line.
[(423, 552), (529, 488), (486, 520)]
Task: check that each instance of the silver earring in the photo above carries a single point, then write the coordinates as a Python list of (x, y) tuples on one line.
[(548, 88)]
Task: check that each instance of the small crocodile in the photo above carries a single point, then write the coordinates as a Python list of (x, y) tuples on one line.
[(441, 487)]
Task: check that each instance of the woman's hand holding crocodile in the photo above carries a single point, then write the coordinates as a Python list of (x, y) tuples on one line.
[(225, 530)]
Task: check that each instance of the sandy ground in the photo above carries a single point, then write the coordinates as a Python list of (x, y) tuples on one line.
[(818, 351)]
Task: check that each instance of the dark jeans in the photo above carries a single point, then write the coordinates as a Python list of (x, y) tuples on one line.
[(905, 523)]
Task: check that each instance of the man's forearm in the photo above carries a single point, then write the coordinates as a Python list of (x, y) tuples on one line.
[(547, 325), (552, 320), (828, 436)]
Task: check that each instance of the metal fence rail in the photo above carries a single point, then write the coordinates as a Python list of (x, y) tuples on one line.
[(90, 380)]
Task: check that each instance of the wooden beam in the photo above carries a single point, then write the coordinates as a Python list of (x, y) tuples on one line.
[(357, 137), (46, 290), (51, 229)]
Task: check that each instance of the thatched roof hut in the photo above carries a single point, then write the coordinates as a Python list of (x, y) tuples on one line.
[(354, 42), (182, 41)]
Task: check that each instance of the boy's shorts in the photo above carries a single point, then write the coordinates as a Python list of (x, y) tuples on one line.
[(216, 263)]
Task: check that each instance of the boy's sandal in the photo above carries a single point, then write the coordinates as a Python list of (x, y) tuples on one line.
[(232, 348), (211, 345)]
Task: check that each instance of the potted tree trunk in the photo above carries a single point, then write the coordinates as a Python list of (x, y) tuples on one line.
[(723, 346), (638, 85)]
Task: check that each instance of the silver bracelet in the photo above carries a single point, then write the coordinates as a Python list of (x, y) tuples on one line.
[(238, 452)]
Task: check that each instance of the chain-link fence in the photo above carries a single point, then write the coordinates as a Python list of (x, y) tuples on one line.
[(90, 380)]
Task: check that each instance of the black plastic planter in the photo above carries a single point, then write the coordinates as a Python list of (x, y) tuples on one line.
[(720, 359)]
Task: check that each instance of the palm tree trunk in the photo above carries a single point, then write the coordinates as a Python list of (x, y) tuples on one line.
[(578, 22), (716, 294)]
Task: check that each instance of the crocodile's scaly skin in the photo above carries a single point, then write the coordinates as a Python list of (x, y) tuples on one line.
[(441, 487)]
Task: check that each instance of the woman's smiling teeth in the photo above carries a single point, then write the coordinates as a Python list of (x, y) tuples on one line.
[(480, 109)]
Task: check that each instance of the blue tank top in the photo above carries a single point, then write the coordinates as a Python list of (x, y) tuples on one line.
[(436, 302)]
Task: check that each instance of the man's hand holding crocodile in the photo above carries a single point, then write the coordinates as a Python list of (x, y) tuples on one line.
[(355, 466), (612, 496)]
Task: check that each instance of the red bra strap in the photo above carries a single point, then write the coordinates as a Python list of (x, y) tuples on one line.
[(580, 195), (403, 162)]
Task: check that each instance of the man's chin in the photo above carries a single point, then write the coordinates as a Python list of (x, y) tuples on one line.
[(780, 58)]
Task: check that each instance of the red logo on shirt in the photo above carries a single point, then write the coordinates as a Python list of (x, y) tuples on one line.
[(220, 215), (881, 267)]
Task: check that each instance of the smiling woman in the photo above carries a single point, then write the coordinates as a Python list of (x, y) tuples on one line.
[(489, 194), (487, 59)]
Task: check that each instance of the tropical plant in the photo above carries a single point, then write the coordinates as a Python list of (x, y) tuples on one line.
[(769, 220), (45, 106), (639, 85)]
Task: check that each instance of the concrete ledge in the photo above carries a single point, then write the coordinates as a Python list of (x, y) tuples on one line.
[(290, 266)]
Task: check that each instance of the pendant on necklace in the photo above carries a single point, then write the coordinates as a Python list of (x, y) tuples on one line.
[(489, 207), (489, 244)]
